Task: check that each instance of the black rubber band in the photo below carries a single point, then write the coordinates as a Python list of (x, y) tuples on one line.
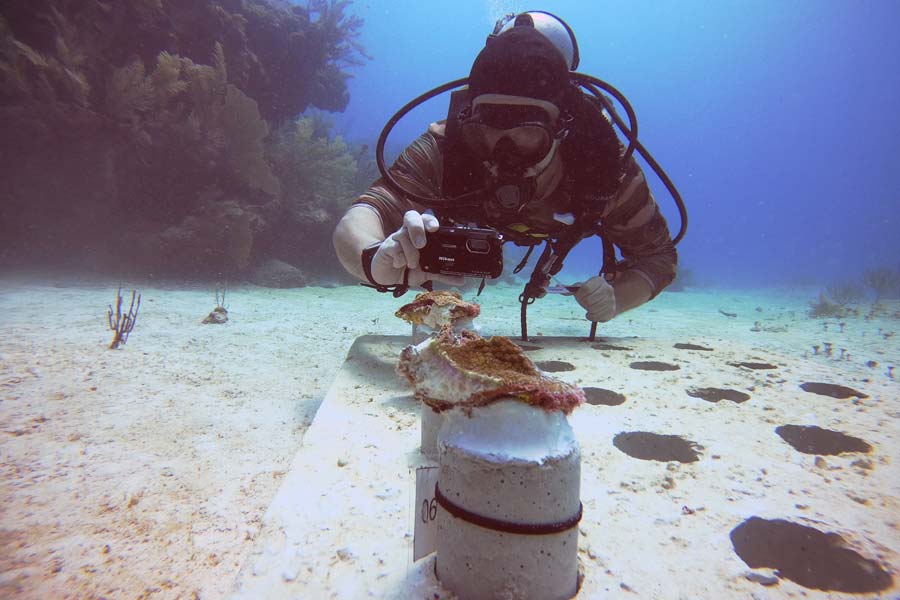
[(505, 526)]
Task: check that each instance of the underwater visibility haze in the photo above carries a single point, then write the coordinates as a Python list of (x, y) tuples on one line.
[(198, 401), (775, 120)]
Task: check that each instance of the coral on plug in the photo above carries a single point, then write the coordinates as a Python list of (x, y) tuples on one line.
[(465, 370), (438, 309)]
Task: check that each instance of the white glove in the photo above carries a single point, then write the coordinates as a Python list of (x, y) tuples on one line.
[(401, 250), (598, 298)]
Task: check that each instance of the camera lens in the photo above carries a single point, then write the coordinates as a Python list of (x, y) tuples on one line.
[(478, 246)]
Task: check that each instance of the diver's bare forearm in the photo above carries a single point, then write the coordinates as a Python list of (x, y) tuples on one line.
[(359, 228), (631, 290)]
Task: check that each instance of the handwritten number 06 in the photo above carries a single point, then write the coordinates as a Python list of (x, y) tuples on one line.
[(429, 510)]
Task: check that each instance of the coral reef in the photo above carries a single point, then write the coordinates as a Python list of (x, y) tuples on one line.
[(684, 278), (883, 282), (275, 273), (319, 180), (245, 131), (151, 113), (844, 292), (465, 370), (823, 307), (835, 300), (844, 299), (217, 238)]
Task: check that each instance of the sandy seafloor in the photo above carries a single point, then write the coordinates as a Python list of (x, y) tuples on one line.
[(145, 472)]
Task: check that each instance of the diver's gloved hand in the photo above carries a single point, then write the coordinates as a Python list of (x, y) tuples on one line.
[(597, 296), (401, 250)]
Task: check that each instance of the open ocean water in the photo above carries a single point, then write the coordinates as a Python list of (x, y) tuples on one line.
[(145, 158)]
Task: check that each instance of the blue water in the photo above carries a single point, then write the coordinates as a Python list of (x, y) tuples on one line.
[(778, 121)]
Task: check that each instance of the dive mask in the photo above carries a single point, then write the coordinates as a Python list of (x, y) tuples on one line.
[(509, 130), (528, 142)]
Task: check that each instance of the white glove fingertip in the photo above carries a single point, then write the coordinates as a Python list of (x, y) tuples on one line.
[(414, 226), (430, 222), (410, 253)]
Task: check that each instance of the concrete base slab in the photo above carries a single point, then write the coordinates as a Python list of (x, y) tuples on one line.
[(341, 524)]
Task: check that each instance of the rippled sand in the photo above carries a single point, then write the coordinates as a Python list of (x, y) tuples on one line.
[(146, 471)]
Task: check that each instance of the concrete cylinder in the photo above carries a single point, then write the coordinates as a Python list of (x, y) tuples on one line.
[(508, 464), (431, 424), (420, 333)]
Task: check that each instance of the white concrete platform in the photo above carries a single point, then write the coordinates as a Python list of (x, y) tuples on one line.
[(341, 524)]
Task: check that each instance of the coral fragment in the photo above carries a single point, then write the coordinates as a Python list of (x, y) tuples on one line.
[(466, 370)]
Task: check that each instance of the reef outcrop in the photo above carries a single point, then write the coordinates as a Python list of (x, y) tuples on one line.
[(138, 134)]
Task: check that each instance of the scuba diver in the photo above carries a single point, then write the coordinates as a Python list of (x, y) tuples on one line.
[(529, 151)]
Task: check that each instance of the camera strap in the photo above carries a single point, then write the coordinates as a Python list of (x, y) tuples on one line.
[(397, 289)]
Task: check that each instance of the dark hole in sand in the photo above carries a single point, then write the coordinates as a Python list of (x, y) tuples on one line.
[(681, 346), (653, 446), (756, 366), (807, 556), (716, 394), (653, 365), (608, 347), (603, 396), (829, 389), (810, 439), (554, 366), (529, 348)]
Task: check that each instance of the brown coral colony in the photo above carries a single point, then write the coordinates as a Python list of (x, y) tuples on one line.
[(496, 356), (426, 303), (501, 362)]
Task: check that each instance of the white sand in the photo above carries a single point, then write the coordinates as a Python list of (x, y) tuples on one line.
[(145, 472)]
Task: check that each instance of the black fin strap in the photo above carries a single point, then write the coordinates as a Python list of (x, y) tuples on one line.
[(506, 526), (481, 286)]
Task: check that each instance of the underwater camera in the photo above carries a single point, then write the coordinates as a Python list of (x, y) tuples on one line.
[(467, 251)]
